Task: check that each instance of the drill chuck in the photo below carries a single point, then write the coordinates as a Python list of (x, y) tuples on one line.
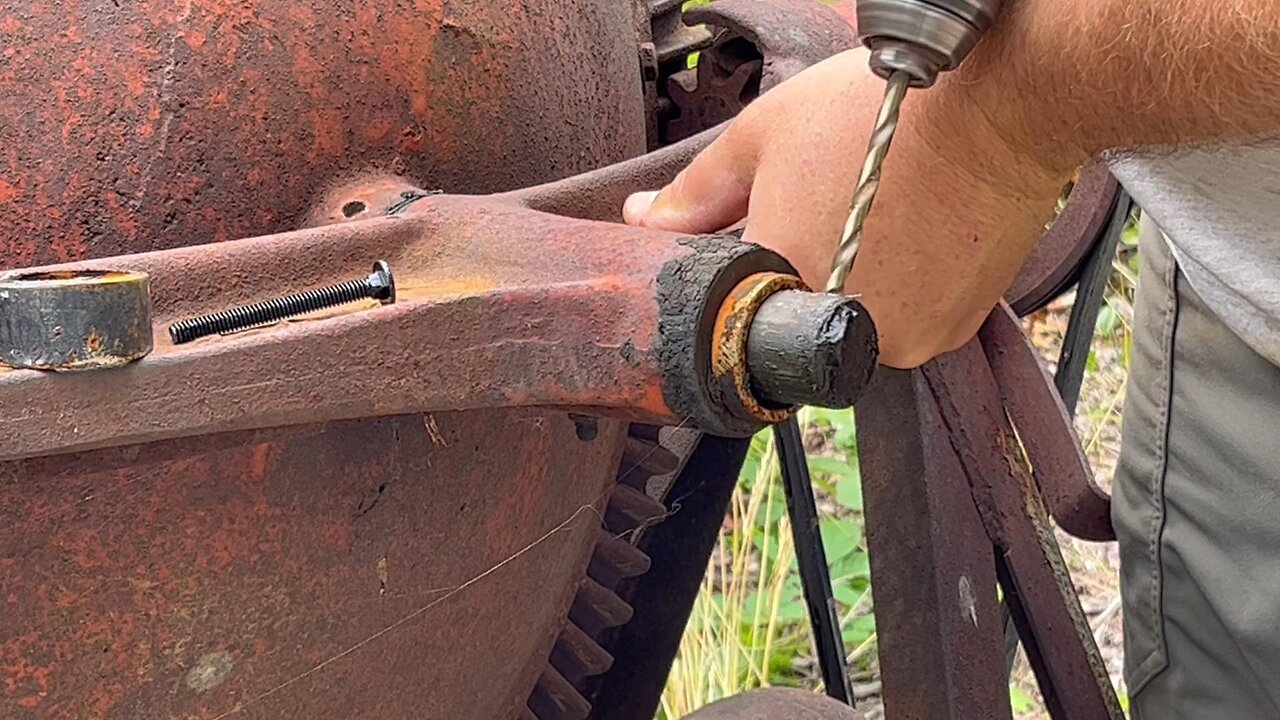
[(922, 37)]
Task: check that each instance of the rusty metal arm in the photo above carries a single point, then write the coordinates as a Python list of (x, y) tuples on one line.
[(524, 309), (599, 194), (1044, 429)]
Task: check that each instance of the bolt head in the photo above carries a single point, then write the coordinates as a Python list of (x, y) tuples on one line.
[(383, 282)]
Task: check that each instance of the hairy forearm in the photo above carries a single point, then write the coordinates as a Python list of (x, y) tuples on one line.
[(981, 157), (1093, 75)]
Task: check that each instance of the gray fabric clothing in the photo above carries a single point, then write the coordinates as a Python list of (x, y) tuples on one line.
[(1220, 208), (1196, 506)]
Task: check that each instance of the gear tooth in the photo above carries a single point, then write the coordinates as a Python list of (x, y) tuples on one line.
[(649, 433), (578, 656), (616, 559), (580, 653), (554, 698), (681, 86), (596, 608), (741, 76), (630, 509), (642, 458)]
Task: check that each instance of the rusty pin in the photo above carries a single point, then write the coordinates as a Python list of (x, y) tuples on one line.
[(380, 285)]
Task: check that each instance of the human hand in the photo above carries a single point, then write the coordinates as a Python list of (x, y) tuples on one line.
[(958, 211)]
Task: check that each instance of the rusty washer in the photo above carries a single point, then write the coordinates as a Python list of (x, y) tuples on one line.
[(74, 319), (729, 341)]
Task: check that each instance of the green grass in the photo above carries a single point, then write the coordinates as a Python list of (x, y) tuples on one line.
[(749, 626)]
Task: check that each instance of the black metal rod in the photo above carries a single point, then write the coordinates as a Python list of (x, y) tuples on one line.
[(815, 575), (1090, 294), (380, 285)]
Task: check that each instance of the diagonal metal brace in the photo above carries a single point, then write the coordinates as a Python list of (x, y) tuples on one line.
[(1030, 566)]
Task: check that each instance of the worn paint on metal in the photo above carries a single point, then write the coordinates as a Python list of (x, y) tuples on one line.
[(145, 126), (1058, 258), (941, 653), (276, 573), (1059, 641), (74, 320), (617, 320), (153, 582), (1043, 429)]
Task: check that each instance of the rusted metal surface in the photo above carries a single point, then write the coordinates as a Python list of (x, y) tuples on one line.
[(645, 647), (692, 290), (776, 704), (324, 569), (790, 35), (605, 605), (1044, 430), (969, 456), (86, 320), (598, 195), (1059, 642), (755, 46), (1059, 256), (937, 619), (785, 36), (133, 127), (616, 319), (316, 572), (712, 92)]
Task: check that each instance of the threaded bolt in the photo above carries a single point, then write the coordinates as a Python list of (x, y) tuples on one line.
[(380, 285)]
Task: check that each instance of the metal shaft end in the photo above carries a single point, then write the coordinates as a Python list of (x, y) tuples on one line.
[(808, 348)]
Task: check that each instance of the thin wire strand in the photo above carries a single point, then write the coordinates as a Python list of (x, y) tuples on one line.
[(450, 591), (407, 618)]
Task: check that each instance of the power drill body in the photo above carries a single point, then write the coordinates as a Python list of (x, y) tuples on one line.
[(922, 37)]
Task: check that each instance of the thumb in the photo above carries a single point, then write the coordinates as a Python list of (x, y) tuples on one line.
[(710, 194)]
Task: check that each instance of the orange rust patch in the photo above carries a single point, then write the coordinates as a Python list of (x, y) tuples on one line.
[(97, 277), (449, 287), (654, 401)]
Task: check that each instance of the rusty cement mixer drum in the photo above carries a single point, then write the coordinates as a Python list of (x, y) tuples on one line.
[(273, 525), (363, 569), (127, 127)]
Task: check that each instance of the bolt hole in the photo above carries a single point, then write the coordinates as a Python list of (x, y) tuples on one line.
[(353, 208), (585, 427)]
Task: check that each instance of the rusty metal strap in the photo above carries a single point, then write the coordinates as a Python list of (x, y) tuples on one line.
[(1033, 574), (407, 199), (1043, 427)]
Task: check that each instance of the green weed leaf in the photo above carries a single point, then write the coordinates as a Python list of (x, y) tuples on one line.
[(840, 537), (858, 631), (849, 493), (1021, 702)]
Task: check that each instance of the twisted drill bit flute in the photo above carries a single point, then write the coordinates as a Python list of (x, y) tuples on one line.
[(869, 181), (811, 556)]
